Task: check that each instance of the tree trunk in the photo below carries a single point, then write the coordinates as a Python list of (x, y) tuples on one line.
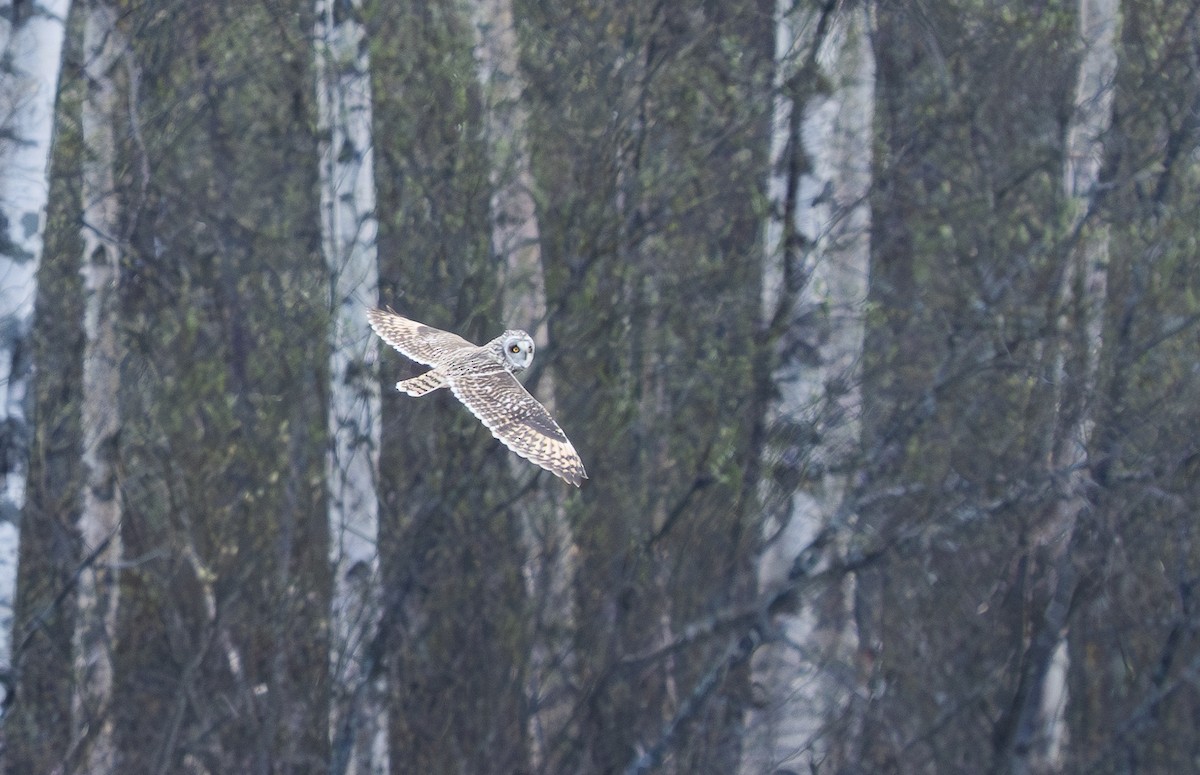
[(100, 520), (358, 716), (1132, 646), (1035, 732), (549, 544), (820, 179), (31, 40)]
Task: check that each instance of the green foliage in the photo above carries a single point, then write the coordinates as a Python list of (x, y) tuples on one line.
[(648, 141), (967, 248), (976, 364)]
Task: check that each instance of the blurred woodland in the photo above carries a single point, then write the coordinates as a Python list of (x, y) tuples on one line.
[(875, 324)]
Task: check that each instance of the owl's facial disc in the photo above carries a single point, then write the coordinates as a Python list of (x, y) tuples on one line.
[(518, 351)]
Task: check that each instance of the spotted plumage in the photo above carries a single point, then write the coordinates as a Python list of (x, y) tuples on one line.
[(482, 378)]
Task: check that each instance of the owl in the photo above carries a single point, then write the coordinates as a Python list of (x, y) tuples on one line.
[(482, 378)]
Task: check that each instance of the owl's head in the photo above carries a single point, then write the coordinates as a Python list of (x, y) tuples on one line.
[(517, 347)]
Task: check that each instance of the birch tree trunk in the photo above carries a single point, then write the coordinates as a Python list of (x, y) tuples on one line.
[(100, 520), (549, 543), (1038, 738), (1034, 737), (820, 224), (31, 38), (358, 718), (1132, 647)]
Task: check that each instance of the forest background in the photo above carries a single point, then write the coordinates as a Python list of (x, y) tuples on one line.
[(875, 324)]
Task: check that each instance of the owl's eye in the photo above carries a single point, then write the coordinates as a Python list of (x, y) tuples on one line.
[(515, 349)]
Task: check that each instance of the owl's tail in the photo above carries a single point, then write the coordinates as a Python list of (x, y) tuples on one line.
[(425, 383)]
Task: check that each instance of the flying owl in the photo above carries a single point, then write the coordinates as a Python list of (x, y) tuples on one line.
[(482, 378)]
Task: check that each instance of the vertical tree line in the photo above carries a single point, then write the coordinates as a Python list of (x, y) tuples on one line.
[(875, 326), (1132, 645), (31, 44), (358, 710), (98, 585)]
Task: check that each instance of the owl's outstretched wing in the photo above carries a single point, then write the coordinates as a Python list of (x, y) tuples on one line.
[(423, 344), (517, 419)]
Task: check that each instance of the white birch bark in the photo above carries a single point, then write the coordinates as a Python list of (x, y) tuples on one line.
[(796, 677), (1084, 290), (358, 717), (548, 540), (31, 55), (100, 520)]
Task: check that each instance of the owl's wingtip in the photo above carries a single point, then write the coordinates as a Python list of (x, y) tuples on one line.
[(574, 475)]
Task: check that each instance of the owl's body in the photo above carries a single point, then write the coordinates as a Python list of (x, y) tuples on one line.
[(482, 377)]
